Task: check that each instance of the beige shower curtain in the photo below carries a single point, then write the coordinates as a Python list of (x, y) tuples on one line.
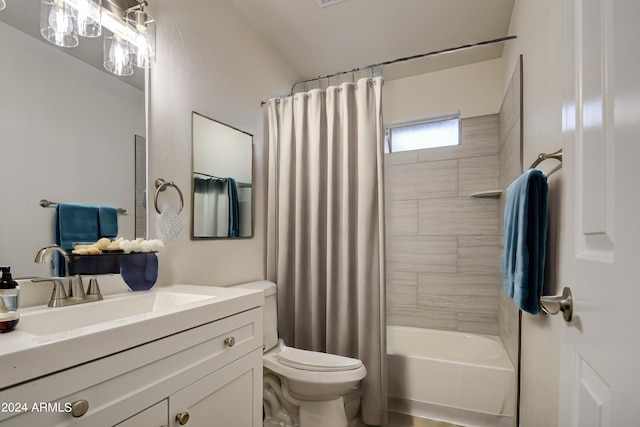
[(326, 227)]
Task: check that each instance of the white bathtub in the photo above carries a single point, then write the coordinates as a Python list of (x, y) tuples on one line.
[(456, 377)]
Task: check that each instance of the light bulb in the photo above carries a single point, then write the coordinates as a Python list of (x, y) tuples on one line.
[(60, 21), (57, 25), (118, 53), (117, 56), (88, 16), (144, 40)]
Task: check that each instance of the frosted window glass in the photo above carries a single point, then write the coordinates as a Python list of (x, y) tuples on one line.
[(423, 135)]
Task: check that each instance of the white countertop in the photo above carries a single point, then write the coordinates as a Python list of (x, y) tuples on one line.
[(68, 336)]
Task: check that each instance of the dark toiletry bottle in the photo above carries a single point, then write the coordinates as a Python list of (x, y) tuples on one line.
[(9, 301)]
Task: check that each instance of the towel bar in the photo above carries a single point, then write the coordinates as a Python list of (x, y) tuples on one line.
[(162, 185), (544, 156), (49, 204), (558, 303)]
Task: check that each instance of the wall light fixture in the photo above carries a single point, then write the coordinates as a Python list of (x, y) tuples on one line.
[(131, 36)]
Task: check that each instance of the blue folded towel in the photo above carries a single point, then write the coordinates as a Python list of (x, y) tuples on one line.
[(525, 236), (108, 221), (73, 223), (234, 210)]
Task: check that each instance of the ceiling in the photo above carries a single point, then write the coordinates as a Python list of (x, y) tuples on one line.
[(318, 41)]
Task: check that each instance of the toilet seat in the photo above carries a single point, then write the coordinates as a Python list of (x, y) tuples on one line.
[(316, 361), (313, 377)]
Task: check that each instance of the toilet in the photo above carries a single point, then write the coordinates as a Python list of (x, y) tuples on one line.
[(304, 388)]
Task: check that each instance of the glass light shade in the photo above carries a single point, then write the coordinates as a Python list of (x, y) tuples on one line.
[(2, 4), (117, 55), (88, 14), (143, 44), (57, 24)]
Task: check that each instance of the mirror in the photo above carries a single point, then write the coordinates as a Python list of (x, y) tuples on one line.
[(221, 196), (67, 134)]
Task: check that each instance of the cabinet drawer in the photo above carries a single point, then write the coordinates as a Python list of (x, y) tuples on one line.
[(121, 385), (231, 396), (155, 416)]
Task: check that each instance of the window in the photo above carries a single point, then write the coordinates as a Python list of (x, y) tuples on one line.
[(429, 133)]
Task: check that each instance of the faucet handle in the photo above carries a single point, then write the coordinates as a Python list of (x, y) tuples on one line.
[(94, 289), (58, 295), (76, 288)]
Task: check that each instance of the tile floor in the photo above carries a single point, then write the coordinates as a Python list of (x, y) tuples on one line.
[(401, 420)]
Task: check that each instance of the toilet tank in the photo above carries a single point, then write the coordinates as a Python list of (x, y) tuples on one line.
[(270, 311)]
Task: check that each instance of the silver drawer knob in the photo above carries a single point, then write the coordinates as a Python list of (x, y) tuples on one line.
[(79, 408), (230, 342)]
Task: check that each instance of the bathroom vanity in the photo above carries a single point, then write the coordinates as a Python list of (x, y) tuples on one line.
[(190, 355)]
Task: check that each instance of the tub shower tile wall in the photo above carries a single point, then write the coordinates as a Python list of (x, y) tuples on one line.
[(510, 168), (443, 247)]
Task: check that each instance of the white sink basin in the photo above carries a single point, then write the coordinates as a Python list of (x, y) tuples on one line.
[(50, 339), (120, 309)]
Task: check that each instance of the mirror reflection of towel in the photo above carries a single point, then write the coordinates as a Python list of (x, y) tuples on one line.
[(108, 221), (234, 211), (75, 223)]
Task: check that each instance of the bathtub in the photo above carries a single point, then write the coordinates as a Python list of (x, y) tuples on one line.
[(455, 377)]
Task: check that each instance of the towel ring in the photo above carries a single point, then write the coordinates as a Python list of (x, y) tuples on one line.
[(162, 185)]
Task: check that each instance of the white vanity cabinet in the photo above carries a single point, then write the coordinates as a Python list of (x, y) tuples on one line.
[(210, 375), (154, 416)]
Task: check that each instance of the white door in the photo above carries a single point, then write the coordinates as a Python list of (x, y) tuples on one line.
[(600, 369)]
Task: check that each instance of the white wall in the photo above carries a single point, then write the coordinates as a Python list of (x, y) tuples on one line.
[(538, 26), (209, 61), (67, 135), (473, 89)]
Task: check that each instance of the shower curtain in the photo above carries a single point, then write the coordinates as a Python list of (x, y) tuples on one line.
[(211, 201), (325, 233)]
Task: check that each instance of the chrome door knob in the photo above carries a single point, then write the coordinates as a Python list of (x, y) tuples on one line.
[(558, 303)]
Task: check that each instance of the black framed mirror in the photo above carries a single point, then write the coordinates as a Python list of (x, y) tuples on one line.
[(222, 180)]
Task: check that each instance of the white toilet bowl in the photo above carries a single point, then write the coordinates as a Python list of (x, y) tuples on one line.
[(305, 388), (313, 376)]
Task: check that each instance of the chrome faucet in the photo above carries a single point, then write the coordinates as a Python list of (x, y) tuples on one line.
[(76, 293)]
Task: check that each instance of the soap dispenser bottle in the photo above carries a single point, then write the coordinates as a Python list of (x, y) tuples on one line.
[(9, 301)]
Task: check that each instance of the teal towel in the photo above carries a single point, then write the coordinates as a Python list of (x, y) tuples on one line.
[(525, 236), (73, 223), (234, 211), (108, 221), (76, 223)]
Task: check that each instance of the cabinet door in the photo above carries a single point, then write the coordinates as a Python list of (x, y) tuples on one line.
[(155, 416), (231, 396)]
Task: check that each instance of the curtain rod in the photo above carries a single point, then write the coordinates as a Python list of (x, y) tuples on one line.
[(210, 176), (404, 59)]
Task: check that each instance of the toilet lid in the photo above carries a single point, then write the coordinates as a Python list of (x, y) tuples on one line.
[(316, 361)]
